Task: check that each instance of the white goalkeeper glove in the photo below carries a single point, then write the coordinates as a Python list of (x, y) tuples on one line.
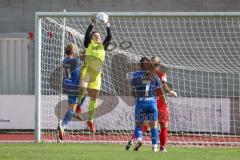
[(107, 24)]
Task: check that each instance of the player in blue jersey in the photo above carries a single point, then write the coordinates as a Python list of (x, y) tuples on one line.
[(163, 114), (145, 83), (71, 66)]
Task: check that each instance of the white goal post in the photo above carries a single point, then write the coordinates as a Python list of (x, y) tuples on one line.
[(199, 52)]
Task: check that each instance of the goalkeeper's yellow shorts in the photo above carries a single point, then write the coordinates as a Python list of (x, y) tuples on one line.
[(90, 79)]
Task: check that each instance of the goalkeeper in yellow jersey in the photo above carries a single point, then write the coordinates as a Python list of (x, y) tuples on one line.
[(95, 50)]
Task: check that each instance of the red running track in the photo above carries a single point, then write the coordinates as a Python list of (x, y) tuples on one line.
[(173, 139)]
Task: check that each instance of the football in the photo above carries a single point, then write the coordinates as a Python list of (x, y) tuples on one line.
[(102, 17)]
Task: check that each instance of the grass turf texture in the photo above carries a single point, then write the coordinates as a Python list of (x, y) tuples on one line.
[(110, 152)]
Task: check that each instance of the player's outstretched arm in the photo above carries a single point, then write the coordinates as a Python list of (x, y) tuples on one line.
[(173, 93), (108, 38), (167, 89), (87, 38), (82, 56)]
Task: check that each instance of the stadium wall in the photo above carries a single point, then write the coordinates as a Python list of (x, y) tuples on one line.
[(16, 64), (12, 10)]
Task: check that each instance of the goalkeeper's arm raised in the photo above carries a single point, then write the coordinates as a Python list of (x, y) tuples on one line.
[(87, 38), (108, 38)]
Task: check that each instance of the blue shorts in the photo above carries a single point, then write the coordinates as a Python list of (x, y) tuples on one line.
[(72, 91), (72, 99), (146, 111), (72, 96)]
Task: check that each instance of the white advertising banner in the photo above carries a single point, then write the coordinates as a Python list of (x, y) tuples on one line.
[(200, 114), (116, 113), (186, 114), (17, 112)]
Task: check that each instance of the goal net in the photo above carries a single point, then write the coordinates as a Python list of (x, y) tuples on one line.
[(198, 51)]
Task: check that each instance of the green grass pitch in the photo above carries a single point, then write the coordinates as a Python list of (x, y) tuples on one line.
[(66, 151)]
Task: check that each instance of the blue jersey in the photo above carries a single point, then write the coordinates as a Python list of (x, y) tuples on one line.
[(71, 74), (144, 88)]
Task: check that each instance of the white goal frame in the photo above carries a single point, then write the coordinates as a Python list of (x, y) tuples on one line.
[(40, 15)]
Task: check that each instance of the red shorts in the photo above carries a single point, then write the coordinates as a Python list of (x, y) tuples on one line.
[(163, 114)]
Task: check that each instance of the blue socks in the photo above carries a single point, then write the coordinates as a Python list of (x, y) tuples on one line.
[(154, 135), (68, 117), (138, 133)]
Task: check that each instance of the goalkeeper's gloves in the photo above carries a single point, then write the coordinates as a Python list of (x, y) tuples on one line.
[(93, 21), (107, 24)]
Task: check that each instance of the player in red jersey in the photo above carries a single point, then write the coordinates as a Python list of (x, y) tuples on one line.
[(163, 114)]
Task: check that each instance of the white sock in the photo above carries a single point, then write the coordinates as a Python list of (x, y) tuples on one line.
[(154, 146), (139, 139)]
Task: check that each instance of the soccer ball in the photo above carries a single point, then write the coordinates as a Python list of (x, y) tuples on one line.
[(102, 17)]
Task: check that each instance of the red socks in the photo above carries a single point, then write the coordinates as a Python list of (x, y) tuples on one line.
[(163, 137), (144, 128)]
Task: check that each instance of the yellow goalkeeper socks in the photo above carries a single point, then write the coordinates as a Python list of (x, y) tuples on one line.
[(91, 109)]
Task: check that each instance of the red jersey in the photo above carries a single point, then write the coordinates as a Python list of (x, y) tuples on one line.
[(163, 115), (163, 77)]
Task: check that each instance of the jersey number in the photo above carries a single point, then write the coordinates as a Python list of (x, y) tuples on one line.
[(147, 90), (147, 87)]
